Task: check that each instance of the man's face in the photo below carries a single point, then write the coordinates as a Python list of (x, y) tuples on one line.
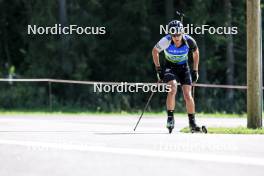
[(176, 37)]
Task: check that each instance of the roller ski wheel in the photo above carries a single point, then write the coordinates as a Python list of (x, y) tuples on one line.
[(204, 129), (170, 130), (170, 125), (197, 129)]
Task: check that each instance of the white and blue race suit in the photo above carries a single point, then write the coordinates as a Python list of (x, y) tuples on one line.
[(176, 65)]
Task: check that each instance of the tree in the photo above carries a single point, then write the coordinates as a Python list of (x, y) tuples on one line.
[(229, 52), (254, 61)]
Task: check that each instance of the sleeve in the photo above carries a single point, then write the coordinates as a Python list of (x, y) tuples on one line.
[(192, 44), (162, 44)]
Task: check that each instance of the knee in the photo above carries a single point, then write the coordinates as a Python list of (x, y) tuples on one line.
[(188, 97), (173, 90)]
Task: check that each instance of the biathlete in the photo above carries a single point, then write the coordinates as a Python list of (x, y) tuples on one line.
[(176, 47)]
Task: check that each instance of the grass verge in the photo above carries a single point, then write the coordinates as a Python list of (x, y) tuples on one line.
[(229, 130), (87, 112)]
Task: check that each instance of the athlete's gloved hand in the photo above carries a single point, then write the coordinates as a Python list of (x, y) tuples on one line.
[(159, 73), (195, 75)]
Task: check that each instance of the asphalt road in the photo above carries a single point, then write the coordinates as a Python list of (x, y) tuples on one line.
[(88, 145)]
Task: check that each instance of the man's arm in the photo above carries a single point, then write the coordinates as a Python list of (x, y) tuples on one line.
[(195, 51), (160, 46), (155, 55), (196, 59), (195, 74)]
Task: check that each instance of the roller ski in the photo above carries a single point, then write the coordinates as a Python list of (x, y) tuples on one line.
[(194, 128), (198, 129), (170, 124)]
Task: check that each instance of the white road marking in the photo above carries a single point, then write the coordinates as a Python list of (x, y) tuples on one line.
[(142, 152)]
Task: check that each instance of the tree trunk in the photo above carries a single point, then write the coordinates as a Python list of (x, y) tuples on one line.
[(63, 21), (202, 71), (169, 10), (64, 38), (229, 52), (254, 65)]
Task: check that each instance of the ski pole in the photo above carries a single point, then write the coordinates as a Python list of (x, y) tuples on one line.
[(146, 106)]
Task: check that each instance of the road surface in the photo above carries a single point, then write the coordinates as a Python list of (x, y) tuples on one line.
[(106, 145)]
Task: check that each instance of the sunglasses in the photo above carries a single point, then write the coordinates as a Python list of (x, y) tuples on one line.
[(176, 35)]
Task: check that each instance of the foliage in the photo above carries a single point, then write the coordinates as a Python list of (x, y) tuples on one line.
[(123, 54)]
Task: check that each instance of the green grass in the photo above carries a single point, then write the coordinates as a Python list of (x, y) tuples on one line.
[(17, 112), (221, 115), (229, 130), (177, 115), (82, 111)]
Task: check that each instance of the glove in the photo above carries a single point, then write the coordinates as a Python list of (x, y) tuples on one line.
[(195, 75), (159, 73)]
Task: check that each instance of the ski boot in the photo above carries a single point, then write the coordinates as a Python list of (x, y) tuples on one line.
[(170, 123), (194, 128)]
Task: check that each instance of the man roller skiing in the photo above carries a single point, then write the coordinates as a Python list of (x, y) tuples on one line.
[(176, 47)]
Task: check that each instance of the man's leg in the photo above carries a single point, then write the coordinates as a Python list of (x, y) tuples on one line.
[(190, 106), (170, 102), (187, 93)]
